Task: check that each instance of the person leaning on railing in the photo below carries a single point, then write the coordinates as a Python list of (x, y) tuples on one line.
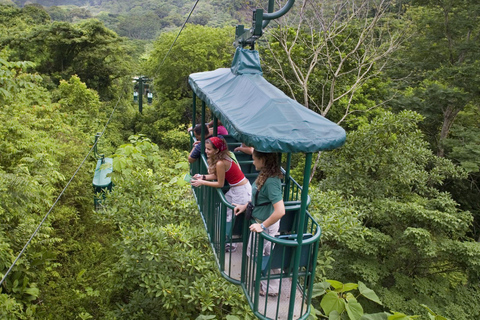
[(197, 146), (269, 187), (221, 167)]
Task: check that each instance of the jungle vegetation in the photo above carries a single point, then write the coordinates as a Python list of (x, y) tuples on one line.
[(398, 203)]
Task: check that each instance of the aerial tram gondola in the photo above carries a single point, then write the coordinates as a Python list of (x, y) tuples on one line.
[(101, 179), (142, 88), (260, 115)]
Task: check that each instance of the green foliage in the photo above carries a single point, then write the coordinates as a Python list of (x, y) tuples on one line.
[(87, 49), (386, 216), (391, 153), (462, 146), (58, 13), (332, 61), (14, 80), (37, 13), (164, 264), (12, 310), (432, 99), (177, 138), (42, 144), (165, 116), (190, 54), (445, 61), (76, 99), (21, 19), (340, 302), (382, 202), (140, 26)]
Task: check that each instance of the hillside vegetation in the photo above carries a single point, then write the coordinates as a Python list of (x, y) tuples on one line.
[(398, 203), (146, 20)]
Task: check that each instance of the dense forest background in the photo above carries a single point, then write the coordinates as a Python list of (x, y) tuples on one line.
[(398, 203), (145, 20)]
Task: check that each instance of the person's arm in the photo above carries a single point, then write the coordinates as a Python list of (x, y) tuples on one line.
[(220, 167), (195, 153), (190, 158), (207, 176), (278, 213), (244, 149), (239, 208)]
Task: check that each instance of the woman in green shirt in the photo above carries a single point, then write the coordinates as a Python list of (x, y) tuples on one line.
[(269, 187)]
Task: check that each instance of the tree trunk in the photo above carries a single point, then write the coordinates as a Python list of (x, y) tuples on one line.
[(448, 118)]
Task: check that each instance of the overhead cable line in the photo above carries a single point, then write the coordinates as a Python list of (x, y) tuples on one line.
[(183, 26), (58, 198)]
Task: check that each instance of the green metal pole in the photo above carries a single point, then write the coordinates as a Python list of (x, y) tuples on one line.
[(312, 276), (140, 95), (304, 196), (300, 227), (259, 243), (194, 112), (215, 125), (279, 13), (286, 194), (95, 146), (203, 129), (270, 8)]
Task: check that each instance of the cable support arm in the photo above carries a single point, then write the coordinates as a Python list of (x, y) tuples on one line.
[(260, 21)]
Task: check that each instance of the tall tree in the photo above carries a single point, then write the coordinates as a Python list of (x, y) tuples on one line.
[(442, 62), (330, 56), (196, 49), (327, 52), (60, 49), (440, 65), (389, 223), (41, 145)]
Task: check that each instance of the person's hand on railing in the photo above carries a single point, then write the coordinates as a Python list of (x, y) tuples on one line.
[(239, 208), (256, 227), (197, 182)]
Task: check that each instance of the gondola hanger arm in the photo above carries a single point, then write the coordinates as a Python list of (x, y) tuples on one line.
[(260, 21)]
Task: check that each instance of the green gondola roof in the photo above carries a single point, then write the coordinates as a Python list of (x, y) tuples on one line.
[(259, 114)]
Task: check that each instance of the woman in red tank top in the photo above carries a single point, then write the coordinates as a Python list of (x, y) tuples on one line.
[(220, 168)]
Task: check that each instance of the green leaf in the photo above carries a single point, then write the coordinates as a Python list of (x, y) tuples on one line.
[(334, 315), (320, 288), (335, 284), (368, 293), (400, 316), (375, 316), (80, 274), (331, 302), (32, 291), (349, 297), (432, 314), (182, 165), (354, 310), (349, 287), (203, 317)]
